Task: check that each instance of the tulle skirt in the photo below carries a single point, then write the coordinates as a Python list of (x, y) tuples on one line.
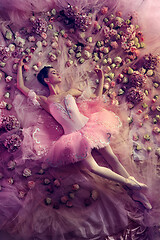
[(77, 146)]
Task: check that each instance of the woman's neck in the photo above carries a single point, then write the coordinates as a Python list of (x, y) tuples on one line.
[(54, 90)]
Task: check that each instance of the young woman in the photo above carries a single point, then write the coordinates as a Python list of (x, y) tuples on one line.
[(82, 134)]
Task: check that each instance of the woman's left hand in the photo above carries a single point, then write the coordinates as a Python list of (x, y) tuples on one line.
[(99, 72)]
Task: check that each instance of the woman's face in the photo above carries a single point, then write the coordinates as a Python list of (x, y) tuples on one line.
[(54, 76)]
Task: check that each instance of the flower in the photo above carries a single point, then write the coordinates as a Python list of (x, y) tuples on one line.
[(75, 187), (48, 201), (12, 143), (11, 47), (64, 199), (137, 80), (11, 165), (79, 20), (21, 194), (104, 10), (39, 26), (135, 95), (31, 39), (114, 44), (94, 195), (31, 184), (4, 53), (3, 104), (57, 183), (10, 122), (27, 172), (150, 61), (8, 79), (20, 42)]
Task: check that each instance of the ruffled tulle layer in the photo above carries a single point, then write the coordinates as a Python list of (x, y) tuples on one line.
[(78, 145)]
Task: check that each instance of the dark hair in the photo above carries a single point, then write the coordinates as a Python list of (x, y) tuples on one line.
[(43, 74)]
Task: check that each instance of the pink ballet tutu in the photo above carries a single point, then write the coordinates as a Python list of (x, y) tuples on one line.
[(76, 146)]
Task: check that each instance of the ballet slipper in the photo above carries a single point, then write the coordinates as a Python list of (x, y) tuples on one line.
[(141, 198), (132, 183)]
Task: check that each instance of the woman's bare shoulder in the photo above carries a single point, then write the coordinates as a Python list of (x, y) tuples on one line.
[(44, 98), (43, 101), (54, 98)]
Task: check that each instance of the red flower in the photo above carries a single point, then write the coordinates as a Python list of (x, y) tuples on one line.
[(104, 10)]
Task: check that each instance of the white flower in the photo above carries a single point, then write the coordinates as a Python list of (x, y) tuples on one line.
[(11, 47), (8, 79), (20, 41)]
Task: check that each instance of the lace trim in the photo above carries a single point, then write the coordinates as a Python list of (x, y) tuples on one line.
[(32, 97), (41, 150)]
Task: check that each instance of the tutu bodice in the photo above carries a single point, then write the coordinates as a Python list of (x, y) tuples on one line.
[(68, 115)]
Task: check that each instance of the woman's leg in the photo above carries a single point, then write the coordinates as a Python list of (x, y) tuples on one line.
[(104, 172), (113, 161)]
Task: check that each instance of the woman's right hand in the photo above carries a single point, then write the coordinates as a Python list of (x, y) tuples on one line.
[(21, 62)]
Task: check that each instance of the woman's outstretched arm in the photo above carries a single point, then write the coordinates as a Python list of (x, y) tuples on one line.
[(20, 80), (20, 85), (99, 90)]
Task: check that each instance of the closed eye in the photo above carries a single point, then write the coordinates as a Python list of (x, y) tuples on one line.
[(53, 72)]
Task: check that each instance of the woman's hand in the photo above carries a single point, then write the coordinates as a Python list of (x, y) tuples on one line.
[(99, 90), (20, 80), (21, 62), (99, 72)]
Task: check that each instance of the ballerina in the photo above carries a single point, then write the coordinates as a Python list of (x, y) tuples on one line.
[(76, 140)]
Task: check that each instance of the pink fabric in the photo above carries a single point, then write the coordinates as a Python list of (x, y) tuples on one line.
[(68, 115), (80, 134)]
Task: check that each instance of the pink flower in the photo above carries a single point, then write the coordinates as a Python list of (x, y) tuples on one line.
[(113, 84), (26, 67), (10, 122), (3, 104), (133, 49), (69, 43), (10, 181), (114, 44), (64, 199), (135, 95), (104, 10), (57, 183), (11, 165), (8, 79), (31, 39), (54, 45), (22, 194), (31, 184), (75, 187), (112, 32), (44, 35), (12, 143)]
